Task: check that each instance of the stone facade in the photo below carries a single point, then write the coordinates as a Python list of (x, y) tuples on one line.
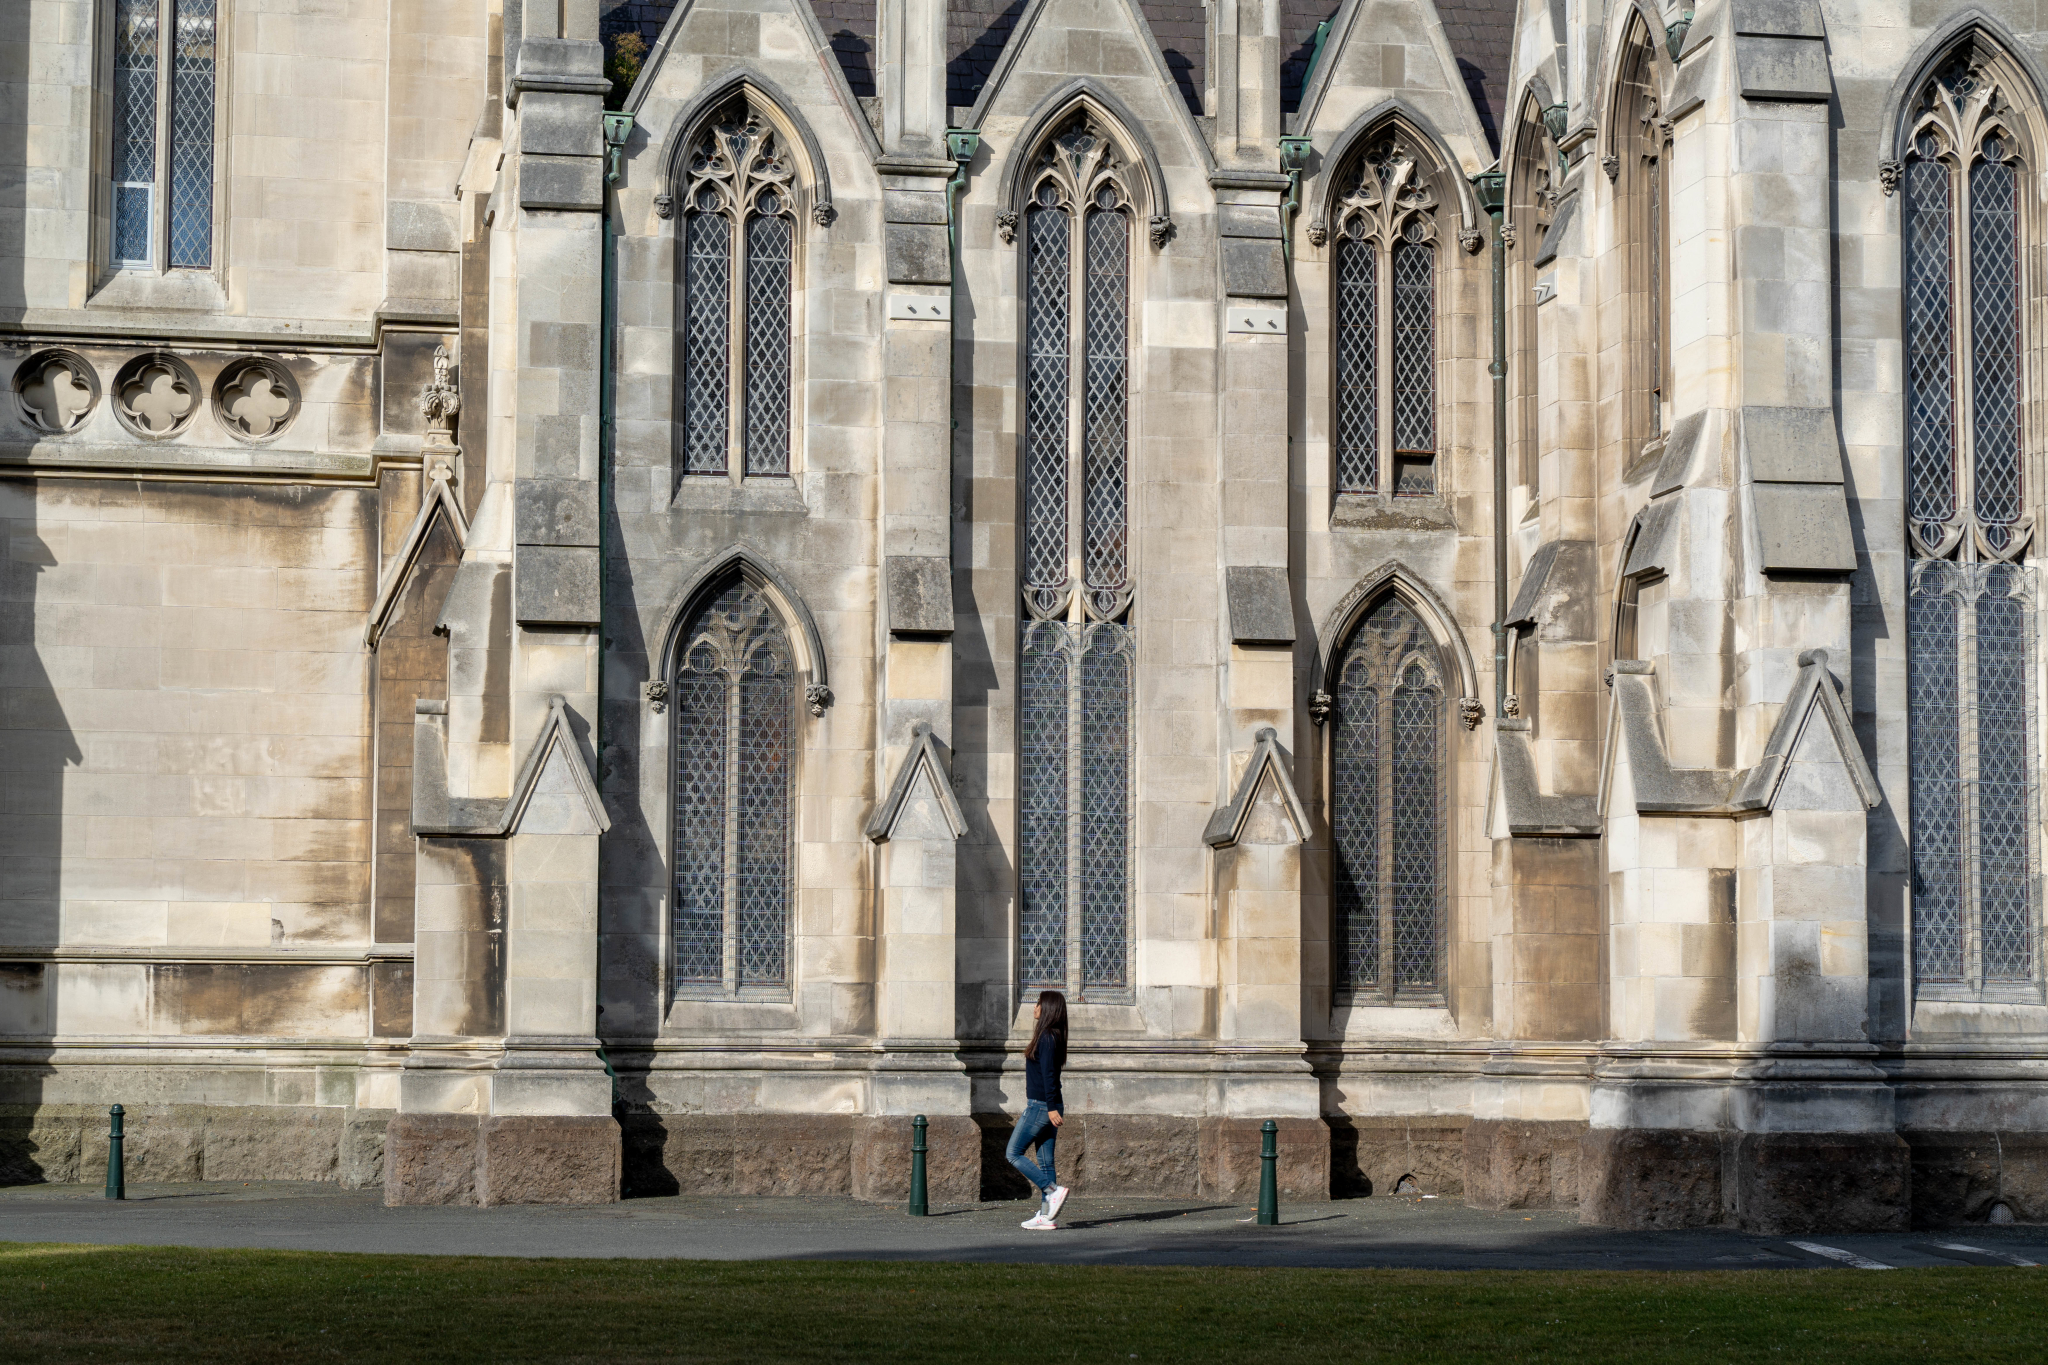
[(570, 637)]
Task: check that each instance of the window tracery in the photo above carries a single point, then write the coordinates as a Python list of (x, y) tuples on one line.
[(738, 247), (1078, 650), (733, 693), (1971, 600), (1385, 303), (1387, 768)]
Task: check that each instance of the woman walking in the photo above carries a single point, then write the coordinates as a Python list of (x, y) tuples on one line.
[(1040, 1122)]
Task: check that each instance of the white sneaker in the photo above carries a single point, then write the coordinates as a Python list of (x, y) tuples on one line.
[(1055, 1201), (1038, 1222)]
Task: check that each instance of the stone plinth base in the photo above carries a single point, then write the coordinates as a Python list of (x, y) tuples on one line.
[(506, 1159), (1776, 1183), (783, 1154), (63, 1143), (869, 1158), (1822, 1182), (1650, 1178), (1517, 1164), (1371, 1156), (1958, 1177)]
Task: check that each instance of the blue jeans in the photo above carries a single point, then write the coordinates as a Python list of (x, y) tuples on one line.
[(1034, 1125)]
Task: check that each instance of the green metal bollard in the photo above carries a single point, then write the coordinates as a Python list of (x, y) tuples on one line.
[(117, 1185), (1269, 1174), (919, 1205)]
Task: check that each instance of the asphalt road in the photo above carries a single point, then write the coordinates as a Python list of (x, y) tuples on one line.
[(1383, 1231)]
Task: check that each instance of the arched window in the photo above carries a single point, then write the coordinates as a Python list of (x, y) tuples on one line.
[(1531, 208), (1966, 216), (1387, 809), (1640, 165), (1077, 651), (1384, 306), (738, 259), (734, 695)]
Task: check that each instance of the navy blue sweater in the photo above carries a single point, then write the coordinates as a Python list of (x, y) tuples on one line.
[(1042, 1072)]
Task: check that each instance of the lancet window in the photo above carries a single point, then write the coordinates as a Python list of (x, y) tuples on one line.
[(738, 263), (1532, 208), (1385, 306), (734, 697), (1966, 216), (161, 168), (1078, 651), (1387, 810), (1641, 167)]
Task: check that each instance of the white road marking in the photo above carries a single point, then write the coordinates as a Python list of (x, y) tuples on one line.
[(2005, 1256), (1848, 1258)]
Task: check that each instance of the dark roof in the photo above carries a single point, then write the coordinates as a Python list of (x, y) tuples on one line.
[(1482, 35), (1298, 20), (975, 33), (1183, 33), (850, 24)]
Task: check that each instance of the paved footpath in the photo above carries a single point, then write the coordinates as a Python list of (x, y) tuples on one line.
[(1382, 1231)]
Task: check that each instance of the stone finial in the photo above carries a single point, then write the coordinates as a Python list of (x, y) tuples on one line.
[(440, 401), (1888, 173)]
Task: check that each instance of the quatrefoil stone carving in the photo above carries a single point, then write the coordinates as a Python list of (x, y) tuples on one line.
[(56, 392), (256, 400), (155, 394)]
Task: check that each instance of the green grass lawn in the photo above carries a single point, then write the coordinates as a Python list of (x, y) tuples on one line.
[(64, 1303)]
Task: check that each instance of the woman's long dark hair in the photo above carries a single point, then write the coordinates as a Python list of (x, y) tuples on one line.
[(1052, 1018)]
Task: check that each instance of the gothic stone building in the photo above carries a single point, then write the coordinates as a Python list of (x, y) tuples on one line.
[(1460, 575)]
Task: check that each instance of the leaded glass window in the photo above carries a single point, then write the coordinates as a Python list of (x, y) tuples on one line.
[(1387, 809), (1384, 436), (1971, 602), (734, 325), (734, 697), (1078, 652), (1642, 193), (165, 66)]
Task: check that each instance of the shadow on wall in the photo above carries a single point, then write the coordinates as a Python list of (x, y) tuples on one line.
[(36, 745)]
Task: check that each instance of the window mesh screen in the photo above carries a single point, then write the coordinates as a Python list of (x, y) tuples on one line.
[(1930, 354), (134, 160), (1414, 400), (1974, 772), (1105, 803), (192, 68), (1994, 345), (1045, 399), (734, 734), (1042, 727), (1357, 366), (1103, 514), (769, 262), (707, 309), (1387, 814)]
